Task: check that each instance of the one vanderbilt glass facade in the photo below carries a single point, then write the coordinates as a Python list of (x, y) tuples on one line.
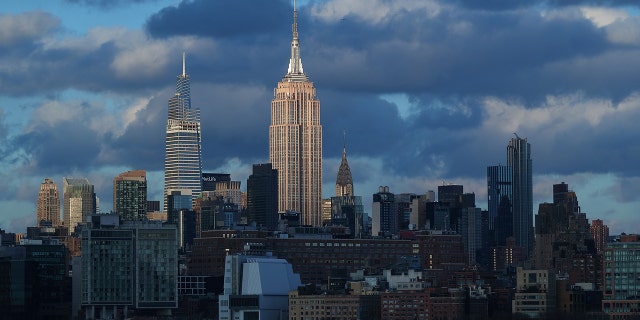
[(183, 160)]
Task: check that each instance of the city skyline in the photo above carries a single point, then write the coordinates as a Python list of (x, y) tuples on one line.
[(427, 91)]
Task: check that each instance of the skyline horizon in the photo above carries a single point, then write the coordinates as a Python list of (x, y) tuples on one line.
[(427, 91)]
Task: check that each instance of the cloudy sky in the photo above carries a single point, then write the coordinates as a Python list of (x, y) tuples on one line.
[(428, 91)]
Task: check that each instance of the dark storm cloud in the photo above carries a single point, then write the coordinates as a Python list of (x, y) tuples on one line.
[(62, 148), (455, 53), (219, 18), (107, 4)]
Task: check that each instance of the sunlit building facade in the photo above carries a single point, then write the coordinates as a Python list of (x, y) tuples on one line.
[(183, 159), (295, 140), (79, 201), (48, 206)]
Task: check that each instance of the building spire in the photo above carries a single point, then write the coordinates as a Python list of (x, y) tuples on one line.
[(184, 69), (344, 144), (295, 71)]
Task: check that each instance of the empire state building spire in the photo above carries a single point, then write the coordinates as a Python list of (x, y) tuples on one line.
[(295, 71)]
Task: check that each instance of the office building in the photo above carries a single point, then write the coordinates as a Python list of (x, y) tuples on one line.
[(535, 293), (384, 213), (262, 196), (229, 191), (336, 307), (128, 268), (348, 211), (499, 194), (130, 195), (622, 278), (209, 180), (451, 195), (257, 288), (176, 201), (48, 206), (295, 140), (183, 158), (519, 159), (471, 231), (79, 201)]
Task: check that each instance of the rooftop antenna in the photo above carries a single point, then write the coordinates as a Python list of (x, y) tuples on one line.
[(184, 69)]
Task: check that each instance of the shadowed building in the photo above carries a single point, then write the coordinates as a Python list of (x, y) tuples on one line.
[(519, 159), (499, 199), (295, 140), (262, 196)]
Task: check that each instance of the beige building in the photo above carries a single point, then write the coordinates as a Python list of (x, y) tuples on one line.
[(79, 201), (335, 307), (295, 140), (48, 206), (535, 293)]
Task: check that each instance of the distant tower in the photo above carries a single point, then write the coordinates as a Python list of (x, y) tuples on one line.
[(183, 159), (519, 158), (48, 207), (130, 195), (295, 140), (262, 196), (79, 201), (344, 182), (600, 233)]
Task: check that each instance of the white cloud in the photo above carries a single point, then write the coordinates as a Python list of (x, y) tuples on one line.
[(602, 17), (26, 25)]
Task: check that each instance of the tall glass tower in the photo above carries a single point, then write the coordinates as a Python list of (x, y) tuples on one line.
[(183, 158), (519, 158), (295, 140), (500, 200)]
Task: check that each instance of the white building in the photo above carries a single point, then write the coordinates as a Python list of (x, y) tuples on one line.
[(256, 287)]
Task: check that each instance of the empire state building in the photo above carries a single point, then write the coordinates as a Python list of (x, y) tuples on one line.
[(295, 140)]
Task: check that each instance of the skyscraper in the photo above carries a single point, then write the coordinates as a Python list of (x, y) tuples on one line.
[(384, 218), (262, 196), (344, 181), (183, 159), (48, 207), (499, 201), (130, 195), (295, 140), (79, 201), (519, 158)]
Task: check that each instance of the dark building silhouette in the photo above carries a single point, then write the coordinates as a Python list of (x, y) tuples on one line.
[(499, 192), (209, 180), (452, 195), (563, 239), (262, 196), (384, 220)]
